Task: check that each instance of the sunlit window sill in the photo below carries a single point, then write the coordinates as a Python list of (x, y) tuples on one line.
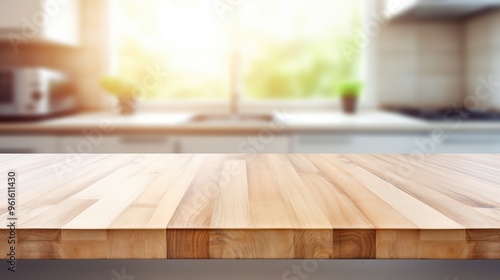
[(247, 106)]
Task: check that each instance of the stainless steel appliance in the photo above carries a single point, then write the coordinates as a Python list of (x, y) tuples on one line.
[(35, 93)]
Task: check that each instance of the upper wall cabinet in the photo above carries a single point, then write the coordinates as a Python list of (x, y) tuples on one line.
[(40, 21), (436, 9)]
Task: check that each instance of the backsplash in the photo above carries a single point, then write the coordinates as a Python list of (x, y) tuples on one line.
[(440, 63), (483, 59), (420, 63)]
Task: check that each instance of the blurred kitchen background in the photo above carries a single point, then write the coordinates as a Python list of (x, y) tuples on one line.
[(224, 76)]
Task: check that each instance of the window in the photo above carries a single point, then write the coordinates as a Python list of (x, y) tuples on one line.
[(279, 49)]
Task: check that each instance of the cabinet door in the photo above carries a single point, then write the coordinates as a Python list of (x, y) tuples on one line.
[(344, 143), (28, 144), (469, 142), (117, 144), (244, 144), (41, 21)]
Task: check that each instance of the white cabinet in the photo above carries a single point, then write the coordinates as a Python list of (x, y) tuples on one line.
[(469, 142), (375, 143), (117, 144), (343, 143), (28, 144), (301, 142), (244, 144), (54, 21)]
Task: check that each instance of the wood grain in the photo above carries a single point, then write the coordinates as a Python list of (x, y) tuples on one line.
[(188, 244), (251, 244), (321, 206), (357, 244), (316, 244), (91, 244)]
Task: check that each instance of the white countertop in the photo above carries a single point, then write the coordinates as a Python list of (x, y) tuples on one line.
[(290, 122)]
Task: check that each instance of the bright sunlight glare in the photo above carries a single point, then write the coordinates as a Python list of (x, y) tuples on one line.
[(282, 44)]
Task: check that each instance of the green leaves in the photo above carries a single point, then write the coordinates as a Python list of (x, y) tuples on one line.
[(350, 88), (117, 86)]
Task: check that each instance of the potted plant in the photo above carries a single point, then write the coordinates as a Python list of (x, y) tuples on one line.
[(123, 90), (349, 91)]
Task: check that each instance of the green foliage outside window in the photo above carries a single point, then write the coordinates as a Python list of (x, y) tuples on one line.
[(288, 49)]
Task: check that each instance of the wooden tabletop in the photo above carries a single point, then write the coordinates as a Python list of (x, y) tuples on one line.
[(153, 206)]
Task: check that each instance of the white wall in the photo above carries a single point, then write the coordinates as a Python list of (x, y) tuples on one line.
[(482, 37)]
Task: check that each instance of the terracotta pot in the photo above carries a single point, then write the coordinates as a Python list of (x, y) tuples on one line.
[(127, 105), (349, 104)]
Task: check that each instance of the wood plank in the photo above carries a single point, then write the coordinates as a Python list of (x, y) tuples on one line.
[(267, 207), (414, 210), (197, 204), (422, 189), (422, 244), (316, 244), (188, 244), (102, 213), (377, 210), (483, 234), (256, 207), (59, 214), (136, 244), (231, 209), (357, 244), (91, 244), (83, 250), (251, 244), (298, 199), (84, 235), (175, 192), (397, 244), (489, 250), (336, 206), (5, 246), (73, 181), (39, 235)]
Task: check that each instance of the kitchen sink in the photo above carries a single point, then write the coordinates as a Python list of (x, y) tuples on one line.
[(240, 118)]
